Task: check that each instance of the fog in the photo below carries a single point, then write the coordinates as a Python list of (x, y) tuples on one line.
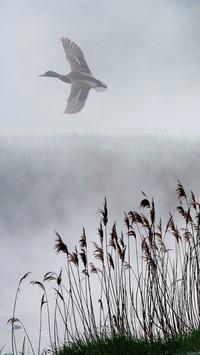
[(147, 52), (141, 134), (55, 180)]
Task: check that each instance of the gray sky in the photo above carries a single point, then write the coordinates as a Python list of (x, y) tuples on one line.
[(146, 51)]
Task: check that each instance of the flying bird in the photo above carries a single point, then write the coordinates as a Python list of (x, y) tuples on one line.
[(80, 77)]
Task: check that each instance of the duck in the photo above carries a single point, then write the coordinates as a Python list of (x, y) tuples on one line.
[(80, 77)]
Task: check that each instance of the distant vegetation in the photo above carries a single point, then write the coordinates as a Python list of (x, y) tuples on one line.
[(138, 291)]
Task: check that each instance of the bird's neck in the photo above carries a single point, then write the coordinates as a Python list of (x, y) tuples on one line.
[(53, 74), (65, 78)]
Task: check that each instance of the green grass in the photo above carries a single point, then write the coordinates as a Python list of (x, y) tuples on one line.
[(120, 344)]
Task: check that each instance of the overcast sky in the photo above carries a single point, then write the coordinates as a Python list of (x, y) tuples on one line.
[(147, 51)]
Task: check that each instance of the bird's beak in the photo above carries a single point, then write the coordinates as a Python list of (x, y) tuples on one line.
[(42, 75)]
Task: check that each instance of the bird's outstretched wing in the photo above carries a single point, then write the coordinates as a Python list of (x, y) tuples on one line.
[(77, 98), (75, 56)]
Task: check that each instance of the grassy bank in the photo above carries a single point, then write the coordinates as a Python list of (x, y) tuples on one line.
[(187, 344), (141, 283)]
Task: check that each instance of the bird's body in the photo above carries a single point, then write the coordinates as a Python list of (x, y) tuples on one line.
[(80, 78)]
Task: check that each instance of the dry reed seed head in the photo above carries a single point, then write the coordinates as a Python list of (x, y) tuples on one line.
[(42, 301), (60, 246), (144, 246), (132, 233), (145, 223), (159, 226), (161, 244), (145, 203), (137, 218), (121, 251), (185, 214), (126, 221), (131, 217), (169, 223), (153, 265), (73, 258), (152, 212), (182, 212), (83, 241), (180, 190), (143, 193), (198, 219), (173, 229), (186, 234), (113, 234), (193, 202), (50, 276), (147, 255), (112, 244), (121, 240), (104, 213), (93, 269), (100, 232), (151, 235), (176, 234), (83, 257), (13, 320), (24, 277), (111, 261), (189, 217), (98, 252), (59, 278), (152, 208), (38, 283), (85, 272)]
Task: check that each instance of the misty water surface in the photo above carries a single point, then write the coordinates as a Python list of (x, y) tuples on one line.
[(57, 181)]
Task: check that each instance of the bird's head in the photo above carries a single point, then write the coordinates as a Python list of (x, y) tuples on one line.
[(101, 86), (51, 74)]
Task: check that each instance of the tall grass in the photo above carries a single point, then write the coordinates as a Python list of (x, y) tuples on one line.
[(142, 282)]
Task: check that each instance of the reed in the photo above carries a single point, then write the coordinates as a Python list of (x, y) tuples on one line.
[(143, 282)]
